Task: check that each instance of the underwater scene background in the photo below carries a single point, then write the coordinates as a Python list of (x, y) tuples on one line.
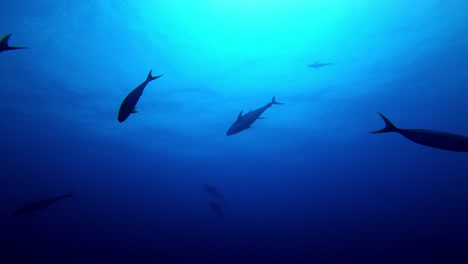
[(306, 184)]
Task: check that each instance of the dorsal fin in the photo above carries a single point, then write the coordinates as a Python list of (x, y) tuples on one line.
[(4, 44), (239, 116), (4, 40)]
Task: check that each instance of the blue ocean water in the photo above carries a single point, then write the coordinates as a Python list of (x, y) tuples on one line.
[(307, 184)]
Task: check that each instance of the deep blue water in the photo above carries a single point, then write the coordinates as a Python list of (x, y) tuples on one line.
[(308, 184)]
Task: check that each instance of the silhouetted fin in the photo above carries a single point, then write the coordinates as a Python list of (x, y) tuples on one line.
[(389, 127), (261, 117), (4, 44), (273, 101), (151, 78), (135, 110), (239, 116)]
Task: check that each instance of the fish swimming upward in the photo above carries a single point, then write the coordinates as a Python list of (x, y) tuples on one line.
[(31, 207), (4, 44), (430, 138), (128, 105), (245, 121)]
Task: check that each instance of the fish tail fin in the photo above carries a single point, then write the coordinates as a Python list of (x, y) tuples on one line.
[(389, 127), (151, 78), (273, 101), (4, 43)]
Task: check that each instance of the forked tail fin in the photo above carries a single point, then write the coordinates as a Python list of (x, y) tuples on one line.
[(151, 78), (273, 101), (389, 127)]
